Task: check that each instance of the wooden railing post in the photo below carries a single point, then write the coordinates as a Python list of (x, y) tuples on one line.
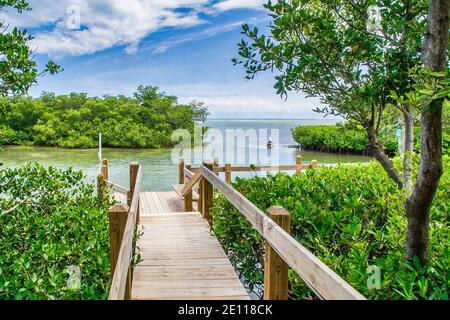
[(314, 164), (101, 189), (117, 220), (188, 197), (216, 164), (105, 169), (298, 164), (200, 197), (228, 173), (181, 172), (134, 168), (275, 268), (207, 195), (118, 216)]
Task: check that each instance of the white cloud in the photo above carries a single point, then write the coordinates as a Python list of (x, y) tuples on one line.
[(165, 45), (108, 23), (239, 4), (247, 99)]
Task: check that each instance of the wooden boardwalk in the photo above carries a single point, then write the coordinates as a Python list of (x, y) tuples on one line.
[(160, 202), (182, 259), (156, 202)]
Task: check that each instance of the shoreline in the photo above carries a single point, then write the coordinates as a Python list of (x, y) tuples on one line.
[(355, 153)]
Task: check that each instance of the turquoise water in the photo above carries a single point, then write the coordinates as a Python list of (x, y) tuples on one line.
[(159, 172)]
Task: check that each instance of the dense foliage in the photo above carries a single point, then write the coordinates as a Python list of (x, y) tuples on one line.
[(18, 70), (353, 139), (51, 220), (351, 217), (332, 139), (74, 121)]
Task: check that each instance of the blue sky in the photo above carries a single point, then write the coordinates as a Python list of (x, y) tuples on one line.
[(182, 46)]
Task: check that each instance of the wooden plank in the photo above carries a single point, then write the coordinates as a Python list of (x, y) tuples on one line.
[(157, 202), (163, 200), (144, 204), (175, 202), (181, 222), (182, 260), (178, 189), (172, 216), (143, 274), (164, 243), (207, 251), (170, 201), (171, 269), (186, 293), (176, 232), (186, 283), (187, 262), (318, 276), (178, 202), (150, 202), (204, 254)]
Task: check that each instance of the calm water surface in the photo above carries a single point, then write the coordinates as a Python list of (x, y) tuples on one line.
[(159, 173)]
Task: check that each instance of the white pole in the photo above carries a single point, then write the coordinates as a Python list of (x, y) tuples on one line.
[(100, 157)]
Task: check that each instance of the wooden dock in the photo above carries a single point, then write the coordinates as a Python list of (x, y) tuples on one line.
[(180, 258), (160, 202)]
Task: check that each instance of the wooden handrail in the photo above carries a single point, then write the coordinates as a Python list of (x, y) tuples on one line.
[(121, 273), (116, 187), (192, 182), (187, 173), (288, 167), (318, 276)]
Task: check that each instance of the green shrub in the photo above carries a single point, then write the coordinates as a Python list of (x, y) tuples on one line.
[(61, 225), (74, 121), (345, 139), (336, 139), (350, 217)]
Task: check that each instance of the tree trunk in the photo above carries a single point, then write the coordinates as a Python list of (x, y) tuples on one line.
[(409, 147), (378, 152), (419, 203)]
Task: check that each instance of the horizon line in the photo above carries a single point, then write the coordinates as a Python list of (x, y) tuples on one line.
[(270, 119)]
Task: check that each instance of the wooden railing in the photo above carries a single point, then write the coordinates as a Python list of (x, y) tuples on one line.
[(282, 250), (123, 219), (228, 168)]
